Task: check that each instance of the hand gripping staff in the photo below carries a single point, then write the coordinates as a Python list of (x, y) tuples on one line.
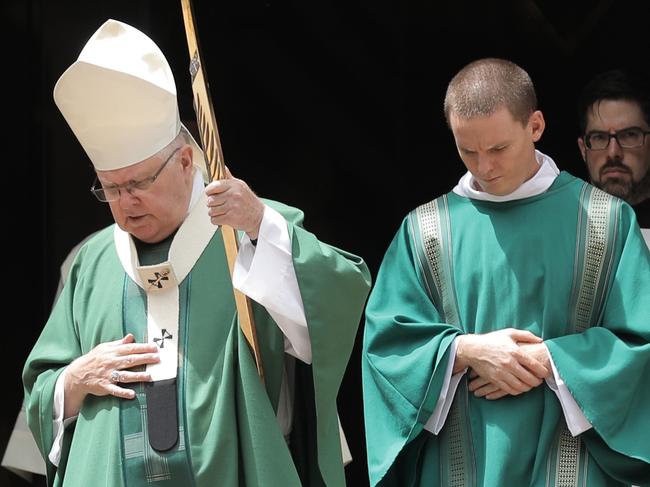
[(215, 166)]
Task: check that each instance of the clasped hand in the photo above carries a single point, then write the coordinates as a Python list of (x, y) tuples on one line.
[(503, 362)]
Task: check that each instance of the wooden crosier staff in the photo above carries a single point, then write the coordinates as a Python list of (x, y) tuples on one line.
[(216, 169)]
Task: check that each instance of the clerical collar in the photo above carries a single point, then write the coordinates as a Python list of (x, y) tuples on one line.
[(153, 253), (540, 182)]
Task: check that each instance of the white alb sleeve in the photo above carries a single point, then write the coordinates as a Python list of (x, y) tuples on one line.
[(58, 423), (447, 393), (575, 419), (265, 273)]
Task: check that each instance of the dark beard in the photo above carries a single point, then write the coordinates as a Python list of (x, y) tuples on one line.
[(617, 187), (631, 191)]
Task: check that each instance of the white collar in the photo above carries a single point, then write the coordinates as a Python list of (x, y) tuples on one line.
[(198, 186), (539, 183)]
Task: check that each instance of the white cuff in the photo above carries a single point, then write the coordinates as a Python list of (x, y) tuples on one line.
[(265, 273), (449, 386), (58, 423), (575, 419)]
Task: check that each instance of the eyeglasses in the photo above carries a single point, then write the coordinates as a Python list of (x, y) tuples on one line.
[(112, 193), (626, 138)]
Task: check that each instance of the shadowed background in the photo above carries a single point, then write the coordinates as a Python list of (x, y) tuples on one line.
[(333, 106)]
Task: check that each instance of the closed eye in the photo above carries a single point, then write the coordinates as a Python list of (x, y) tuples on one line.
[(132, 182)]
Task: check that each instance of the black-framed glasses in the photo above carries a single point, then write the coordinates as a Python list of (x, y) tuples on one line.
[(112, 193), (627, 138)]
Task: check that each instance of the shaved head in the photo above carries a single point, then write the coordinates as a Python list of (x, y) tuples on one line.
[(484, 86)]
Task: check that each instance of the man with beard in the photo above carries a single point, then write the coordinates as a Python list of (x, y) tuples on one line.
[(614, 117)]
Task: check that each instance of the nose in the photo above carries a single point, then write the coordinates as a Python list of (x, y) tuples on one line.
[(614, 150), (485, 165), (127, 198)]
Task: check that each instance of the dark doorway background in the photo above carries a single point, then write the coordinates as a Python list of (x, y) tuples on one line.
[(333, 107)]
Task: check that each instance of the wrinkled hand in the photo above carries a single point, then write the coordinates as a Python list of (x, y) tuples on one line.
[(231, 202), (91, 373), (500, 365), (484, 388)]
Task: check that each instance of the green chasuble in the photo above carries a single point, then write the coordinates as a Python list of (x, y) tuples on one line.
[(228, 432), (570, 266)]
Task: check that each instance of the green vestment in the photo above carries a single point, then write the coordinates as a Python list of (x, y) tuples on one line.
[(570, 266), (229, 435)]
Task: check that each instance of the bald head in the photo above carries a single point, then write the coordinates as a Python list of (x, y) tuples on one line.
[(484, 86)]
